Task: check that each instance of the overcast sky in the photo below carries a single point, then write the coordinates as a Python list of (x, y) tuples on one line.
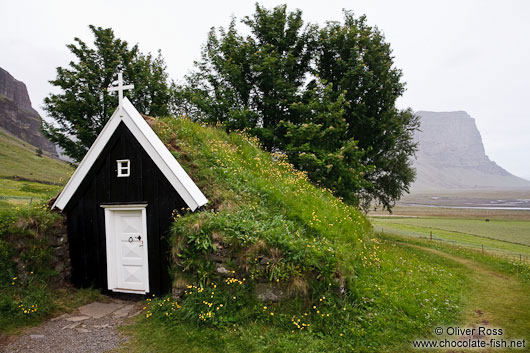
[(455, 55)]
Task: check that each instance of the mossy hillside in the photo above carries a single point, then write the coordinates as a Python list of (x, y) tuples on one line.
[(262, 208), (345, 288)]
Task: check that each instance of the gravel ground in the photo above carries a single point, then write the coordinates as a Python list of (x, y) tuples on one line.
[(75, 333)]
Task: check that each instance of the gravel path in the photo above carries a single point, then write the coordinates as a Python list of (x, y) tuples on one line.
[(91, 328)]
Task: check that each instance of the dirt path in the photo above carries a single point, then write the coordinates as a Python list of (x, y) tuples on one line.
[(90, 328), (496, 301)]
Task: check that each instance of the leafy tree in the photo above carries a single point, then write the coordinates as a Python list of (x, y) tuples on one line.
[(319, 145), (83, 107), (358, 64), (250, 82), (324, 96)]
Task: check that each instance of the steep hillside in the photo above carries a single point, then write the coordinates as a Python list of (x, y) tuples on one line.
[(18, 117), (451, 156), (26, 177), (20, 159)]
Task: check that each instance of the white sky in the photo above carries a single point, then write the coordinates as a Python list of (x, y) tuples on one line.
[(455, 55)]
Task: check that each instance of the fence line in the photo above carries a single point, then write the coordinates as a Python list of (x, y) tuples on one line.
[(481, 248), (29, 198)]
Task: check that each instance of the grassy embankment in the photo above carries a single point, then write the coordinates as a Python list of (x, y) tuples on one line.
[(25, 175), (31, 289), (261, 208)]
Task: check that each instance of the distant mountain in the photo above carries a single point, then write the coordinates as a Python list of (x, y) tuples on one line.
[(451, 156), (17, 117)]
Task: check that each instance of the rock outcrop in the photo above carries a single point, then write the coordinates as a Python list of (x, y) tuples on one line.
[(18, 117), (451, 156)]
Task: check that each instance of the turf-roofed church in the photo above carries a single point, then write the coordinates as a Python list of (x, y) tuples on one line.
[(119, 204)]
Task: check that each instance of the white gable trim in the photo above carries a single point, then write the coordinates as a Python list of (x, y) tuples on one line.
[(147, 138)]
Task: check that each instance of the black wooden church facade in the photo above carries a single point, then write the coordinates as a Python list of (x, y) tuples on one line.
[(119, 205)]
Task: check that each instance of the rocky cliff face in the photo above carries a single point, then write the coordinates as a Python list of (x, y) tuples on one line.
[(18, 117), (451, 155)]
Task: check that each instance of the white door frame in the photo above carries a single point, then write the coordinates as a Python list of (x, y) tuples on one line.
[(112, 257)]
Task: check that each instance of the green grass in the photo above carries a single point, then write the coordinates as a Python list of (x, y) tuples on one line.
[(399, 300), (511, 237), (504, 230), (22, 194), (18, 158), (262, 201), (504, 265), (498, 288), (56, 301), (26, 188), (314, 245)]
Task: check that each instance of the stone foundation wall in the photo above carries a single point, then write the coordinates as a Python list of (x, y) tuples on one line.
[(47, 244), (224, 259), (59, 243)]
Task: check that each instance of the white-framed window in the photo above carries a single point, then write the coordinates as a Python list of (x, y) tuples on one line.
[(124, 168)]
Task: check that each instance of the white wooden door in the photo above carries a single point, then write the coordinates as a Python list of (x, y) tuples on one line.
[(127, 263)]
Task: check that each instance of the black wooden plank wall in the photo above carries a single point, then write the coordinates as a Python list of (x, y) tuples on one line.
[(86, 219)]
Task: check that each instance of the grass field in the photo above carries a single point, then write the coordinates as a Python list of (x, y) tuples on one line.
[(507, 236), (506, 233), (26, 177), (517, 232), (473, 284), (18, 193), (454, 213)]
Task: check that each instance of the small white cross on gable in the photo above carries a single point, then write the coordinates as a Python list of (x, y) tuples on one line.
[(120, 88)]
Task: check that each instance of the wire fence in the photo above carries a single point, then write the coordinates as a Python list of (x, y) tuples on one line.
[(479, 248), (20, 200)]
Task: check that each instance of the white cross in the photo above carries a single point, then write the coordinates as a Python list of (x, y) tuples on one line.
[(120, 88)]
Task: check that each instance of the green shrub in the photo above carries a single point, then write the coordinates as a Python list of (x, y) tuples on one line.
[(26, 261), (211, 305), (251, 234)]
